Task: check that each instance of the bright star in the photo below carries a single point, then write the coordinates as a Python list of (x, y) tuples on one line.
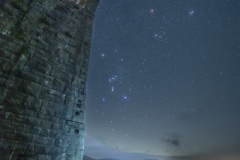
[(112, 79), (191, 12), (125, 97)]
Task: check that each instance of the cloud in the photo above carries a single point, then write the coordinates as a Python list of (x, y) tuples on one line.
[(148, 152), (209, 157), (174, 142), (173, 139), (98, 150)]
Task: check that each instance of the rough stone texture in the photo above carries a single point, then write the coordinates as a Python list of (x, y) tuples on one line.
[(44, 52)]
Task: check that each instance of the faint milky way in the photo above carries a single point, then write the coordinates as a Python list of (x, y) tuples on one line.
[(164, 78)]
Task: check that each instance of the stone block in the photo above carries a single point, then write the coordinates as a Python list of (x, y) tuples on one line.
[(3, 93), (29, 113), (21, 136), (44, 68), (32, 103), (31, 88), (54, 106), (12, 83), (44, 132), (13, 48), (60, 154), (62, 37), (6, 127), (30, 77), (41, 116), (9, 135), (14, 98), (51, 118), (32, 121), (73, 43), (58, 141), (46, 124), (19, 5), (11, 116), (46, 95), (30, 148), (78, 116), (48, 111), (59, 100), (8, 145), (56, 126), (70, 49), (41, 149), (5, 64), (58, 85), (44, 140), (74, 128), (25, 128), (49, 30), (61, 113), (55, 133), (71, 60), (10, 125), (64, 55), (44, 157), (8, 55), (75, 114), (12, 109), (53, 42), (36, 73), (46, 81)]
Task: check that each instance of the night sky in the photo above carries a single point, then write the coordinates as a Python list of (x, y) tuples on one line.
[(164, 79)]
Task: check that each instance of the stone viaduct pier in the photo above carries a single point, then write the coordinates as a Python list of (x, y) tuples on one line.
[(44, 54)]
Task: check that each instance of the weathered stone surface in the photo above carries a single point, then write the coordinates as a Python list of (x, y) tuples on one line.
[(44, 52)]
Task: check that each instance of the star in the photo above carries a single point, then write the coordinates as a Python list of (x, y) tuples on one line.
[(125, 97), (112, 88), (191, 12), (112, 79)]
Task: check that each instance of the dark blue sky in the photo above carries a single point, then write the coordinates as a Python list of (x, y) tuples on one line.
[(164, 77)]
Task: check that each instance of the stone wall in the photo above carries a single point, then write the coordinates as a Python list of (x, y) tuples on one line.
[(44, 53)]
